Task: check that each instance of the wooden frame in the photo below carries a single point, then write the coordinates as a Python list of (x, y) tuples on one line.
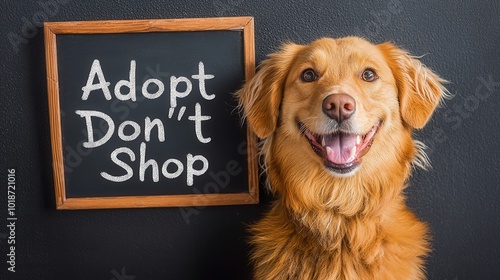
[(53, 29)]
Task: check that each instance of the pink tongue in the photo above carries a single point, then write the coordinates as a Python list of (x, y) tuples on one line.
[(339, 148)]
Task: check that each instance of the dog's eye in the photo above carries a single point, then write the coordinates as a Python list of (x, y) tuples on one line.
[(309, 75), (369, 75)]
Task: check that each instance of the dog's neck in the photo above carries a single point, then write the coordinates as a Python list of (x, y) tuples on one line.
[(350, 216)]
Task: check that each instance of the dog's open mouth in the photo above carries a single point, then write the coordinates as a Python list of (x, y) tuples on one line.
[(340, 151)]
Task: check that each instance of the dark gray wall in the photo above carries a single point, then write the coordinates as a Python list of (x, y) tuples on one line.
[(459, 196)]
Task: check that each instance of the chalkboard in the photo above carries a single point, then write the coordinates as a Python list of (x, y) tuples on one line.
[(142, 112)]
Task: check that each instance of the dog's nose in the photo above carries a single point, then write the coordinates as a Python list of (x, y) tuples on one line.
[(339, 107)]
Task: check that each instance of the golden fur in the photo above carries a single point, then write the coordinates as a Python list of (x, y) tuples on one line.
[(326, 224)]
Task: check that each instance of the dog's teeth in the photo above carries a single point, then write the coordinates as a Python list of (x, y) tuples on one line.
[(358, 139), (353, 153), (323, 142), (328, 150)]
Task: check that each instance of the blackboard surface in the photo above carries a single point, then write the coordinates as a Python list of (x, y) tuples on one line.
[(151, 114)]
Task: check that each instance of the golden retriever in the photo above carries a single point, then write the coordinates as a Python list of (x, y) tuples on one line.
[(336, 118)]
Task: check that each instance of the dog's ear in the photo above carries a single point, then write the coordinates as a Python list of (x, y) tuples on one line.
[(260, 98), (420, 90)]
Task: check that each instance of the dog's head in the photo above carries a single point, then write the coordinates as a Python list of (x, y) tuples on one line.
[(340, 105)]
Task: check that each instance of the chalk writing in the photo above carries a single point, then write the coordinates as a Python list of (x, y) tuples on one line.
[(124, 90)]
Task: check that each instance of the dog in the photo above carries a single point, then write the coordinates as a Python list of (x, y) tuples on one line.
[(335, 118)]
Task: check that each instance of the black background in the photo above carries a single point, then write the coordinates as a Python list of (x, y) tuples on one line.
[(459, 197), (169, 54)]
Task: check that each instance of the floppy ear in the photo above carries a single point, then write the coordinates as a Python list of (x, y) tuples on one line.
[(260, 98), (420, 90)]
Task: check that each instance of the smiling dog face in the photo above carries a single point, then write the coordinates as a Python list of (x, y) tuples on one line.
[(336, 117), (342, 106)]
